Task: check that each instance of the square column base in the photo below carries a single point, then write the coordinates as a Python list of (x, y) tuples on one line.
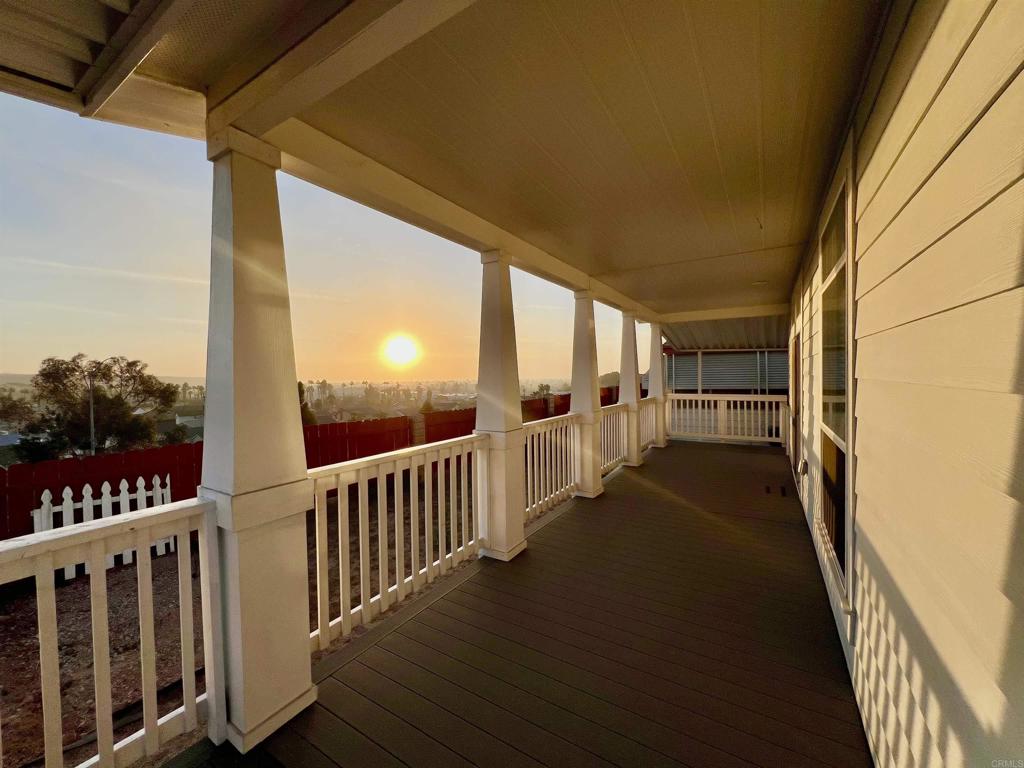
[(502, 529), (503, 556), (243, 742), (589, 494)]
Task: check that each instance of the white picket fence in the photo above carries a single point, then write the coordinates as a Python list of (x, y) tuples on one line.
[(50, 515)]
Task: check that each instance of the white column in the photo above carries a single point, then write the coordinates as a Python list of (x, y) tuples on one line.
[(629, 389), (656, 385), (254, 465), (499, 414), (586, 397)]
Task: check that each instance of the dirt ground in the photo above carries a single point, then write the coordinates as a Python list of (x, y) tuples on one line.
[(21, 741)]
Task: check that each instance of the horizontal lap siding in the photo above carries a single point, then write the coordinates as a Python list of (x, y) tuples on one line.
[(939, 565)]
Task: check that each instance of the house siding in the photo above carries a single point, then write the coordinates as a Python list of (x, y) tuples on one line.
[(931, 612)]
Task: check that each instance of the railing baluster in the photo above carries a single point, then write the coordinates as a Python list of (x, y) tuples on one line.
[(213, 628), (428, 514), (400, 530), (364, 547), (382, 538), (529, 476), (479, 492), (147, 641), (464, 486), (453, 505), (188, 649), (414, 520), (323, 594), (49, 662), (442, 507), (344, 557), (101, 654)]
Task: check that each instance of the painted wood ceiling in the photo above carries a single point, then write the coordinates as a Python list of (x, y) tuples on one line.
[(677, 151)]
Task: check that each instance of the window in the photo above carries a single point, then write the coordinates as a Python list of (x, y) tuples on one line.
[(833, 379), (682, 372), (833, 240), (833, 355)]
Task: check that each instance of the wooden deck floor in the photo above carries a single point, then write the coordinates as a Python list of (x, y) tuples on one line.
[(679, 619)]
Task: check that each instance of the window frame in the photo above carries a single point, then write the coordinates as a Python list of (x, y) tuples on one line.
[(841, 197)]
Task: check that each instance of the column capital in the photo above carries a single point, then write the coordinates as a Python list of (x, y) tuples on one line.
[(583, 293), (496, 255), (233, 140)]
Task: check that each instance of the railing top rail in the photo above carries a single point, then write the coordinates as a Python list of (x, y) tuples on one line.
[(540, 424), (48, 542), (751, 398), (614, 406), (354, 465), (648, 399)]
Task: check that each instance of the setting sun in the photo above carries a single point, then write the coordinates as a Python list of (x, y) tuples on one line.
[(400, 350)]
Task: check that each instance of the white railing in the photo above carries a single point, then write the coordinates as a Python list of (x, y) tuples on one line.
[(39, 555), (614, 424), (551, 449), (429, 500), (66, 512), (647, 416), (741, 418)]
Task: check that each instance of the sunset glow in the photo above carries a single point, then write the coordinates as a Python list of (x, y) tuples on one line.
[(400, 351)]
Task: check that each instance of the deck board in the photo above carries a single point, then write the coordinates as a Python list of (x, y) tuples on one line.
[(678, 619)]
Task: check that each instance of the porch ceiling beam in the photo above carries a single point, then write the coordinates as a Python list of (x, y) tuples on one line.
[(764, 310), (359, 37), (313, 156), (138, 34)]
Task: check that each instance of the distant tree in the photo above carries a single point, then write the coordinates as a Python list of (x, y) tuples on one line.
[(542, 390), (308, 417), (324, 390), (200, 392), (124, 399), (175, 435), (14, 410), (186, 392)]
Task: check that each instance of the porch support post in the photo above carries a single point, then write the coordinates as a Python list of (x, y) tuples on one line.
[(254, 465), (656, 385), (499, 414), (629, 389), (586, 397)]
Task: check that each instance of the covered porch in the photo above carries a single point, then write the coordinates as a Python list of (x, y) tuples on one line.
[(740, 176), (679, 619)]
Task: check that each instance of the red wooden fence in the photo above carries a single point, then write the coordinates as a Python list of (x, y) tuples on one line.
[(22, 485), (609, 395), (535, 408), (444, 425), (342, 441), (560, 404)]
